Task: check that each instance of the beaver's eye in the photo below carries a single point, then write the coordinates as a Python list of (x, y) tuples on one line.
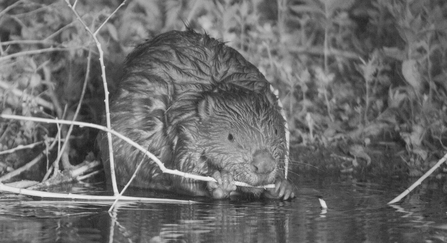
[(276, 131), (230, 137)]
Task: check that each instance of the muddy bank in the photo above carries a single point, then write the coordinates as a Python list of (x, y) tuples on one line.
[(380, 160)]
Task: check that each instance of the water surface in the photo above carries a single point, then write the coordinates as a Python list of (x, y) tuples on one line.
[(357, 213)]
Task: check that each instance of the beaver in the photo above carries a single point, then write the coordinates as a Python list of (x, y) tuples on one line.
[(201, 108)]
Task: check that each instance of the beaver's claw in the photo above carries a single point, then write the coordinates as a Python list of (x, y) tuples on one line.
[(224, 185), (283, 190)]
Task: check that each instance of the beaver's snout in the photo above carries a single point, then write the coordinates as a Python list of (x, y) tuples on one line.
[(263, 162)]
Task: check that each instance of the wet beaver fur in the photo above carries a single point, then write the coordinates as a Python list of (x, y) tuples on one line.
[(201, 108)]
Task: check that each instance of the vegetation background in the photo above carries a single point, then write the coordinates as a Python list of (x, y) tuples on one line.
[(352, 74)]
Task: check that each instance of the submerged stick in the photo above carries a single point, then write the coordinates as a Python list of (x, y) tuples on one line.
[(126, 186), (89, 198), (419, 181)]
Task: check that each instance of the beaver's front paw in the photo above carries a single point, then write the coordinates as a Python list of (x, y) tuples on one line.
[(223, 186), (283, 190)]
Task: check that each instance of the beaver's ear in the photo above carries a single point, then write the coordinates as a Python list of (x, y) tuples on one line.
[(205, 107)]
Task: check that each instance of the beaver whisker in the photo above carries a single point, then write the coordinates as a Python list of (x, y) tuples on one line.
[(290, 173)]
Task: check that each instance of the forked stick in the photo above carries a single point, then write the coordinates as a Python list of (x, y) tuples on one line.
[(106, 91)]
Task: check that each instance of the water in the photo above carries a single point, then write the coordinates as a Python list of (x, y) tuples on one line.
[(357, 213)]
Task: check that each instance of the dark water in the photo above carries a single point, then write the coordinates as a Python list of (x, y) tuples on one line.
[(357, 213)]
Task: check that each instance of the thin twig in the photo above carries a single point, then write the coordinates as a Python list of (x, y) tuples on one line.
[(108, 18), (58, 31), (128, 140), (191, 13), (18, 171), (20, 147), (4, 85), (10, 7), (83, 177), (28, 165), (419, 181), (44, 41), (128, 184), (78, 108), (34, 11), (80, 169), (27, 42), (54, 168), (39, 51), (106, 91), (320, 51), (89, 198)]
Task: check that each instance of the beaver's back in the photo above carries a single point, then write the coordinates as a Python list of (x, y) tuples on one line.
[(189, 58), (164, 80)]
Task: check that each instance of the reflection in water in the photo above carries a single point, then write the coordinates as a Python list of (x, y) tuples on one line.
[(221, 221), (357, 213)]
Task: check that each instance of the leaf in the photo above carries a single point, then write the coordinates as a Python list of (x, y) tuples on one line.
[(395, 53), (421, 152), (320, 77), (395, 97), (244, 9), (359, 152), (306, 9), (35, 80), (411, 74), (370, 68), (332, 5), (112, 31), (417, 135), (304, 77)]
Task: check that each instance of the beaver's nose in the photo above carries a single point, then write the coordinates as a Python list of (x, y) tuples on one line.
[(263, 161)]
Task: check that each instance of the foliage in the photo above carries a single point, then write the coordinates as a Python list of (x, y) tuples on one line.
[(354, 70)]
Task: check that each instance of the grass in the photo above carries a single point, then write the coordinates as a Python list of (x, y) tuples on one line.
[(352, 72)]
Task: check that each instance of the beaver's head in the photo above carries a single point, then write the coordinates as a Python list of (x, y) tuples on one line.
[(243, 133)]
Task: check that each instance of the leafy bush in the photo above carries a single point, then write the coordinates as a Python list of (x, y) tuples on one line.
[(355, 70)]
